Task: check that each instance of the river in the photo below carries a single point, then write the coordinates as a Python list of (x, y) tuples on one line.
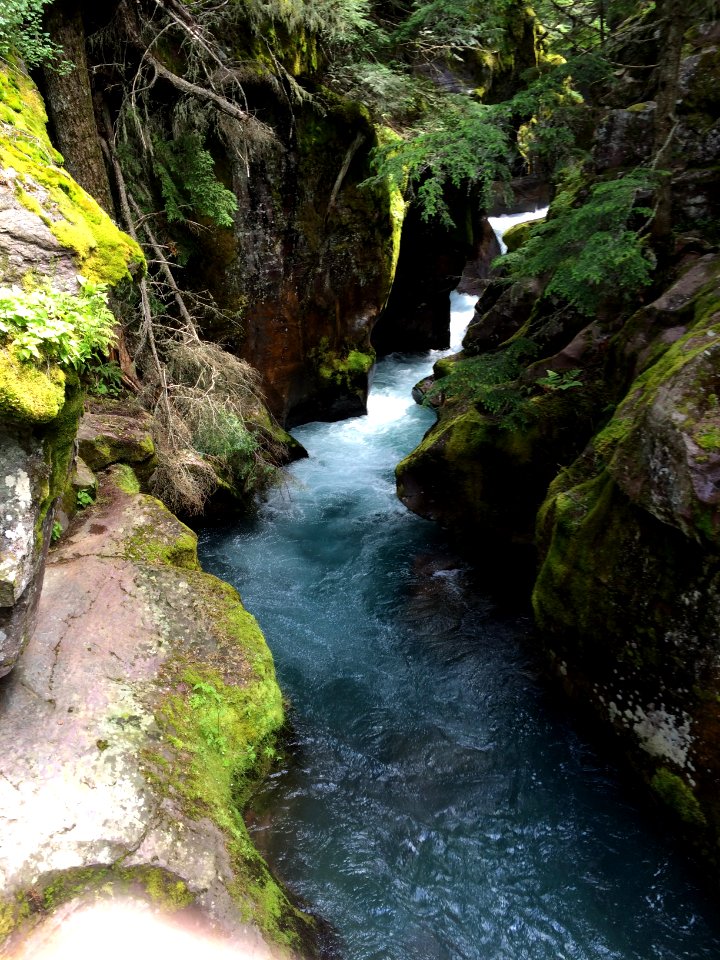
[(436, 803)]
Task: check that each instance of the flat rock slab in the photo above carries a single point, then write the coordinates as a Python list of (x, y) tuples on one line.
[(76, 714)]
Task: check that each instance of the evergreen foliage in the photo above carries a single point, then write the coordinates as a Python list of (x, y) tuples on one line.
[(592, 250), (437, 28), (464, 146), (188, 183), (490, 381)]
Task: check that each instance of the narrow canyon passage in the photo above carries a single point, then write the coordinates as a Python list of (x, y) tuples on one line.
[(435, 803)]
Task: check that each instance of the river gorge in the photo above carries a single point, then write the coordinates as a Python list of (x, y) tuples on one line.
[(434, 802)]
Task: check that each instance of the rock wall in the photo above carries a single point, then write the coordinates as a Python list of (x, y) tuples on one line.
[(309, 263), (138, 700), (627, 591), (50, 231)]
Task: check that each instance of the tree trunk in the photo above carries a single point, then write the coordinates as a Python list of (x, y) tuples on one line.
[(70, 104), (675, 19)]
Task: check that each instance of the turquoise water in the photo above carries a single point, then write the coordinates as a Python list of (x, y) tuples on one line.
[(436, 803)]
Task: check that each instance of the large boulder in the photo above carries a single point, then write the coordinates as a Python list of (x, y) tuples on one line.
[(50, 228), (141, 713)]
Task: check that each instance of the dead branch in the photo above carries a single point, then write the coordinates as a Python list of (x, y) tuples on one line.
[(165, 269), (201, 93), (351, 151)]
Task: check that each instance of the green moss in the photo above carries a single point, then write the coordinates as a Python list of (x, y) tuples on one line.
[(59, 450), (162, 888), (118, 445), (155, 547), (343, 370), (518, 235), (709, 438), (12, 913), (28, 393), (677, 795), (219, 723), (574, 513), (126, 478), (102, 251)]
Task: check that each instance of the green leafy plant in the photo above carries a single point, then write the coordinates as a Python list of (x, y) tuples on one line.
[(83, 499), (46, 324), (568, 380), (21, 32), (102, 377), (56, 532)]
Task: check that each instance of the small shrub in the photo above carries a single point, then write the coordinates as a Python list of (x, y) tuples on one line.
[(553, 380), (491, 382), (83, 499)]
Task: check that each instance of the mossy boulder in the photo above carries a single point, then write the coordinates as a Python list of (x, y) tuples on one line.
[(662, 446), (342, 378), (50, 226), (111, 433), (484, 475), (499, 314), (151, 717), (28, 393), (516, 236)]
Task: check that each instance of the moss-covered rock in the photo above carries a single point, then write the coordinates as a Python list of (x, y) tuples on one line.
[(627, 596), (516, 236), (160, 707), (29, 394), (111, 433), (51, 227)]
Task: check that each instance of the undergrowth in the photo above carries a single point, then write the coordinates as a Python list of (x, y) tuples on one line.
[(490, 381)]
